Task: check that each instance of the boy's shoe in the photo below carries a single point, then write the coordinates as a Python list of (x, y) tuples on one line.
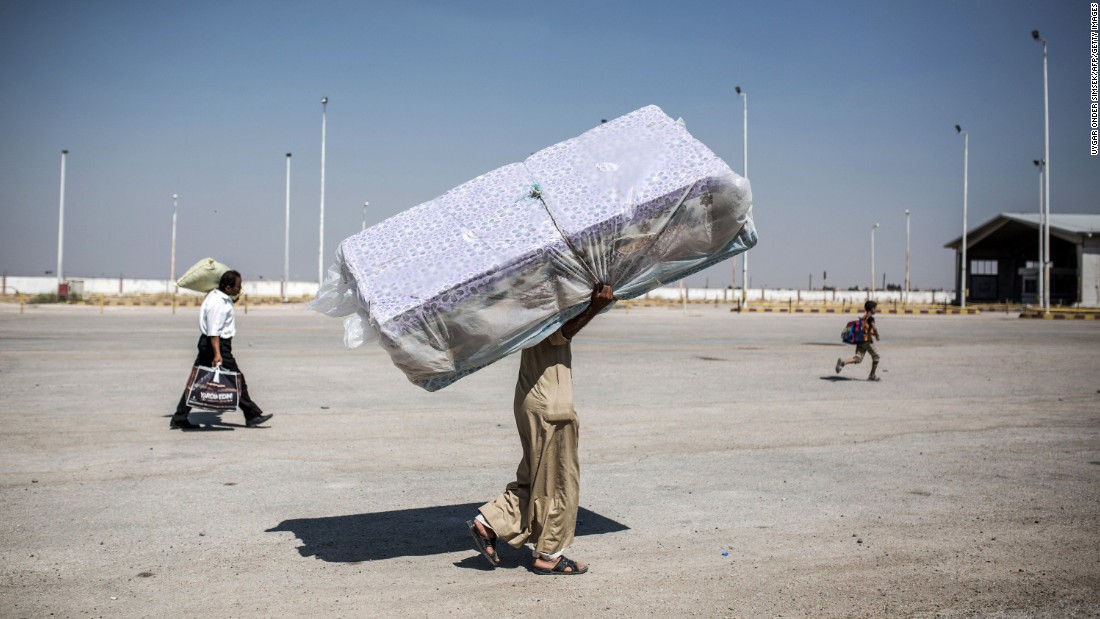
[(839, 365), (873, 379), (182, 424), (257, 420)]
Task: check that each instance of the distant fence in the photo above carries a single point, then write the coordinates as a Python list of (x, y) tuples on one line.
[(791, 295), (121, 286)]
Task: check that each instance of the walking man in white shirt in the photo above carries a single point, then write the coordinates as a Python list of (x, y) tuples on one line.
[(216, 348)]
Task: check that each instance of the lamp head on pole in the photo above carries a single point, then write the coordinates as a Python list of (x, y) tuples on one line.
[(906, 212), (876, 225), (1035, 35), (737, 89), (288, 155), (1039, 163), (324, 100), (175, 196), (64, 152)]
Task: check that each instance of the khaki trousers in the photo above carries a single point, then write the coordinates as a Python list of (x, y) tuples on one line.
[(540, 506), (864, 347)]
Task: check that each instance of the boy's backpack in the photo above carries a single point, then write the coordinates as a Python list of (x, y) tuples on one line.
[(853, 332)]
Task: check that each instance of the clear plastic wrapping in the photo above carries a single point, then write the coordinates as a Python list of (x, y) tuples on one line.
[(501, 261)]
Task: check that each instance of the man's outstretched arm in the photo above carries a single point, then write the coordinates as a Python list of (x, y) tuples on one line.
[(602, 296)]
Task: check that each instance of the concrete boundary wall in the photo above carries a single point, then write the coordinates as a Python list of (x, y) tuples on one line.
[(267, 288), (785, 295), (123, 286)]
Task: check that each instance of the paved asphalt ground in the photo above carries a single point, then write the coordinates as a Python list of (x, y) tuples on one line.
[(727, 472)]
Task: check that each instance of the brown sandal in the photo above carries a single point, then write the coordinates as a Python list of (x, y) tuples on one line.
[(484, 544), (563, 564)]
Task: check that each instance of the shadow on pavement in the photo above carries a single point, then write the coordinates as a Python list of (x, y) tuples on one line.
[(405, 533), (214, 419), (836, 378), (477, 562)]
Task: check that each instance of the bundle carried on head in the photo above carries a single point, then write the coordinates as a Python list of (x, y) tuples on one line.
[(498, 263), (204, 276)]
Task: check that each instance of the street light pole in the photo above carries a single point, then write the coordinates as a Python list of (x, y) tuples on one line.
[(966, 191), (873, 258), (172, 267), (61, 224), (365, 205), (321, 244), (1041, 164), (1046, 183), (745, 142), (286, 235), (907, 255)]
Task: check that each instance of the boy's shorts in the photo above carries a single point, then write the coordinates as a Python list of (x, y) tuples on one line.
[(866, 347)]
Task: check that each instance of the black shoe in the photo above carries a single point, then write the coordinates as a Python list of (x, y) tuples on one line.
[(252, 422), (183, 424)]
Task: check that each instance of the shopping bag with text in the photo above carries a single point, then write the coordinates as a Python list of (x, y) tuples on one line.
[(213, 388)]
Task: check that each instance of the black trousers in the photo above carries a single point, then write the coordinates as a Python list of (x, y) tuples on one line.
[(206, 358)]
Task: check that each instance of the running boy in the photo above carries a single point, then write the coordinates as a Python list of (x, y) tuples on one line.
[(868, 344)]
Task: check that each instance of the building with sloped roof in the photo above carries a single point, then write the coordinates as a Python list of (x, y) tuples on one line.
[(1004, 260)]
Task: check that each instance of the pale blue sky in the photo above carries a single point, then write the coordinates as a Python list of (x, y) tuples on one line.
[(851, 114)]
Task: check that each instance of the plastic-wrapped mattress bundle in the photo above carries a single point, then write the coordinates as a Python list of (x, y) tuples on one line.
[(498, 263)]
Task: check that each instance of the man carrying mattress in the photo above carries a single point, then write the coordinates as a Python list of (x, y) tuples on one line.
[(540, 507)]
